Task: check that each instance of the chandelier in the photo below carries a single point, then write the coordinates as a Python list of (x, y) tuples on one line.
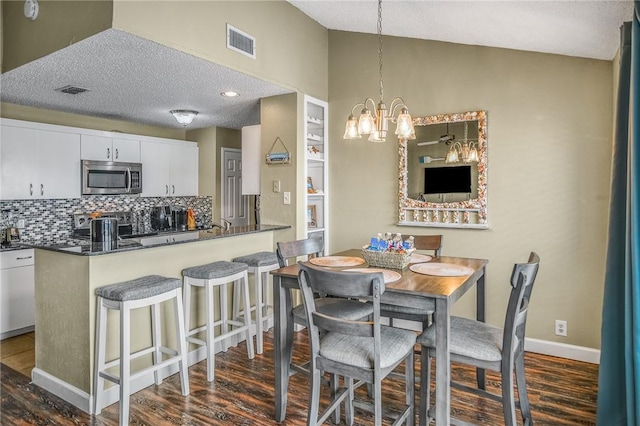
[(376, 126), (465, 151)]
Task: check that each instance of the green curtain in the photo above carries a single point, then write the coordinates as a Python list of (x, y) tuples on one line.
[(619, 374)]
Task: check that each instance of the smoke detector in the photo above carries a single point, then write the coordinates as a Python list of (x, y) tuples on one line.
[(31, 9)]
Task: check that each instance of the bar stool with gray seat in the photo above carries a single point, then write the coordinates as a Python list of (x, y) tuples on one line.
[(217, 274), (260, 264), (124, 297)]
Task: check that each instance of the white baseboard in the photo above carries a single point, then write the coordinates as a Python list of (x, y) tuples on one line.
[(84, 401), (62, 389), (562, 350)]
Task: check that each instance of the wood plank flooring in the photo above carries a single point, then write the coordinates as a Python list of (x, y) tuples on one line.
[(562, 392)]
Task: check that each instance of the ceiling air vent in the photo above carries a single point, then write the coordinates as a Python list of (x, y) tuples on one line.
[(241, 42), (71, 90)]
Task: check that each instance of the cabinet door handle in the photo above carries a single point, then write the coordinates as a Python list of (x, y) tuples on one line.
[(30, 189), (166, 189), (41, 189), (24, 258), (174, 189), (108, 153), (117, 155)]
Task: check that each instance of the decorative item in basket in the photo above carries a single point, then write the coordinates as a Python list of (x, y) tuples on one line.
[(388, 252)]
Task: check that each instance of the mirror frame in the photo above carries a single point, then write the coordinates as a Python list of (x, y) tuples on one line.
[(463, 214)]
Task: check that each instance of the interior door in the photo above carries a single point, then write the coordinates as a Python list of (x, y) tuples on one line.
[(235, 206)]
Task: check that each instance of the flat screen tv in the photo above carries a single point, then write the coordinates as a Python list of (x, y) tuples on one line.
[(444, 180)]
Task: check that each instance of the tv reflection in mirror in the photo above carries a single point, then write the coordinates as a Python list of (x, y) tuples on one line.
[(447, 180)]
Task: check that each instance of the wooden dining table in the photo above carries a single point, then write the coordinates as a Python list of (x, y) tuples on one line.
[(428, 292)]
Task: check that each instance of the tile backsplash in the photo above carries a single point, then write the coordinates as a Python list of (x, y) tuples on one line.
[(51, 221)]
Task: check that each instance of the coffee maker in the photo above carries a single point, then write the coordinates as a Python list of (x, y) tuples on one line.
[(179, 216), (161, 218)]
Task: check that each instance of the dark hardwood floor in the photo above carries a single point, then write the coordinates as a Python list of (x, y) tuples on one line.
[(562, 392)]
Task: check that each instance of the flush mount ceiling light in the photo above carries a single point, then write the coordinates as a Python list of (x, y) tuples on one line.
[(184, 116), (376, 126), (230, 94)]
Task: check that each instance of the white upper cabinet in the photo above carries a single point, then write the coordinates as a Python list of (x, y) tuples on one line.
[(169, 169), (39, 164), (104, 148)]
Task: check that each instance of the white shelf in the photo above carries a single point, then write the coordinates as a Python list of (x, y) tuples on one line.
[(316, 166)]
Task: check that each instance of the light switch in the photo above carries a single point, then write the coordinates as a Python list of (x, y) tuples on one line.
[(276, 186), (287, 198)]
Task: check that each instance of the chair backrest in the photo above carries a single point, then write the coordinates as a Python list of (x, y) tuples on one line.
[(341, 284), (427, 242), (522, 279), (310, 247)]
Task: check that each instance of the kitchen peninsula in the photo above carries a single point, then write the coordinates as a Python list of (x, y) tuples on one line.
[(66, 281)]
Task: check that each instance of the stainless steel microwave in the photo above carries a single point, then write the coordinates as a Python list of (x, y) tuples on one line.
[(109, 177)]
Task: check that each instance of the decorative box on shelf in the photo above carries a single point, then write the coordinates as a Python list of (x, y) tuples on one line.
[(387, 259)]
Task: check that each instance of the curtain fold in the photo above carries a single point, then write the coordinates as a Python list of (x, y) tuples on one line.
[(619, 374)]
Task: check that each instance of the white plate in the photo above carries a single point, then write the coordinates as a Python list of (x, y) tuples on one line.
[(441, 269), (337, 261), (389, 276), (420, 258)]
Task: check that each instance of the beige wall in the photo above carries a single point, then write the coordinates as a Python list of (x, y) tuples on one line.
[(298, 62), (59, 24), (549, 144), (279, 118)]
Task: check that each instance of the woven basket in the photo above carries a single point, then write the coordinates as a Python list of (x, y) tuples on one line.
[(387, 259)]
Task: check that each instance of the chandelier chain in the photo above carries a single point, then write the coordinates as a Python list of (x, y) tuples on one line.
[(380, 47)]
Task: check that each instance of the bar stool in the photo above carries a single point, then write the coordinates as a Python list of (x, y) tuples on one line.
[(260, 264), (124, 297), (216, 274)]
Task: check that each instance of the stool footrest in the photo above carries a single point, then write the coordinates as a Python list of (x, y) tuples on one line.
[(115, 379)]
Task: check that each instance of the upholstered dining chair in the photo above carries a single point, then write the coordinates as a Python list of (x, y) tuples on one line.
[(432, 244), (484, 346), (349, 309), (361, 350)]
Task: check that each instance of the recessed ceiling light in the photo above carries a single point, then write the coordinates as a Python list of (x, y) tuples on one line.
[(230, 94)]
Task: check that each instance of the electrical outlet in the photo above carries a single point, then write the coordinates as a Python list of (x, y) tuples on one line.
[(287, 198), (276, 186), (561, 328), (21, 224)]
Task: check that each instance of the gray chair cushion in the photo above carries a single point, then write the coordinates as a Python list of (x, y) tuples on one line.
[(469, 338), (395, 344), (140, 288), (218, 269), (262, 258), (335, 307)]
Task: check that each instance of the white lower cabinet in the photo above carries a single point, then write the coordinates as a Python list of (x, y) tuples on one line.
[(17, 292), (169, 169), (39, 164)]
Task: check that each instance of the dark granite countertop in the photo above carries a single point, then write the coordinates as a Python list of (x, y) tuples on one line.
[(15, 246), (86, 248)]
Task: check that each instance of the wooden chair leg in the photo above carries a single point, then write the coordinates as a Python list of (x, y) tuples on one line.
[(425, 386), (521, 382), (348, 404), (334, 384), (508, 398), (314, 401), (410, 388), (377, 403)]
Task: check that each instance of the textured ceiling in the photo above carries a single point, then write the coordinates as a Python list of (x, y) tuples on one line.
[(584, 28), (133, 79)]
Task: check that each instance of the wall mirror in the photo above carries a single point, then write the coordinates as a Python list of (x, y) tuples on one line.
[(443, 172)]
